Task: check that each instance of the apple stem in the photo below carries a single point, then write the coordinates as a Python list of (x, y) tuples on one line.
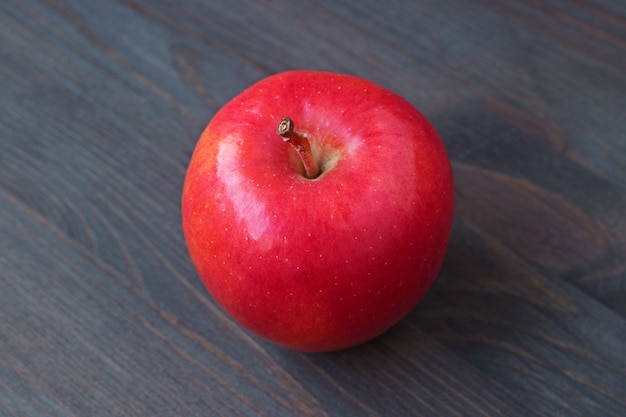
[(287, 130)]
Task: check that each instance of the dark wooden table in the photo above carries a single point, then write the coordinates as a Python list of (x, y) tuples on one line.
[(101, 311)]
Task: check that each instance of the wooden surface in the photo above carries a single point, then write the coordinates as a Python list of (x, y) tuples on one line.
[(101, 311)]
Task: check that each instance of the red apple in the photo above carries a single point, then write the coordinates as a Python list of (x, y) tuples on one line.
[(328, 240)]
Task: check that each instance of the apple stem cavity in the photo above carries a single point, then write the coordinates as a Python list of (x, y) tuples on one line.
[(287, 130)]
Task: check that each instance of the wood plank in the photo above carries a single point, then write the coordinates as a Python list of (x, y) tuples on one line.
[(562, 350), (556, 225), (512, 138), (101, 312), (85, 341)]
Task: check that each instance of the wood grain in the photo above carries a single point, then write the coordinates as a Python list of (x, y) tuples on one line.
[(101, 311)]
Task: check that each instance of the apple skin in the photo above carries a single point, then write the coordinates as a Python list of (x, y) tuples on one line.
[(326, 263)]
